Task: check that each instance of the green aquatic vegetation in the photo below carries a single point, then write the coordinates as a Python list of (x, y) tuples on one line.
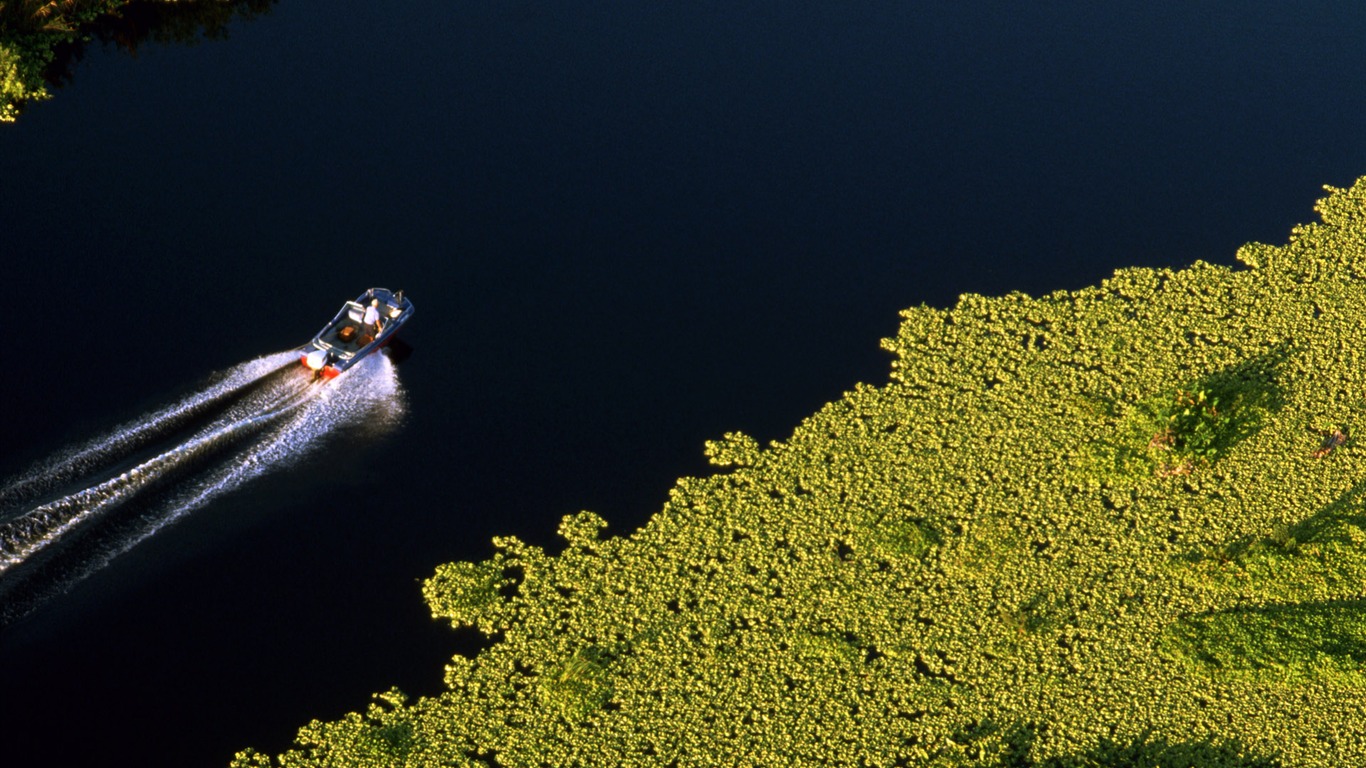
[(1319, 560), (467, 594), (1309, 641), (1162, 753), (1189, 426), (897, 536), (581, 684), (993, 559)]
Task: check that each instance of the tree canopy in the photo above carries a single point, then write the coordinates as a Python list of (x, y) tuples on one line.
[(41, 40), (1118, 526)]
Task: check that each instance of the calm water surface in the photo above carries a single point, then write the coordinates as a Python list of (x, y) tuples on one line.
[(627, 228)]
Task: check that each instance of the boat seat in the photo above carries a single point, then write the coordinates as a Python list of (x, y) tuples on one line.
[(355, 313), (347, 332)]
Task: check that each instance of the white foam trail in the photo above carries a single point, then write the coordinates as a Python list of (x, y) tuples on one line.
[(72, 463), (293, 417), (369, 394), (43, 525)]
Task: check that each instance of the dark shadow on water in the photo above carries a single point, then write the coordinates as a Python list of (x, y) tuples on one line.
[(399, 351), (1278, 638), (1329, 523), (1144, 752), (1247, 392), (1286, 638), (1014, 745)]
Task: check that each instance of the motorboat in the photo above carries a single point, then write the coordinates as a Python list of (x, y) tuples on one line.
[(361, 328)]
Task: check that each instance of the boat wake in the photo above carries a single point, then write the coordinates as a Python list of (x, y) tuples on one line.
[(100, 498)]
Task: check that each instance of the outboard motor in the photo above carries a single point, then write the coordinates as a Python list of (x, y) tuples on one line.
[(316, 360)]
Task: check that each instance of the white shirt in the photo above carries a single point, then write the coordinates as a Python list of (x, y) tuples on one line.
[(371, 316)]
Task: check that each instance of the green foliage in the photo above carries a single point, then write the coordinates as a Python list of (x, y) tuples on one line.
[(985, 562), (1197, 425), (18, 84), (39, 39), (1189, 426), (30, 32)]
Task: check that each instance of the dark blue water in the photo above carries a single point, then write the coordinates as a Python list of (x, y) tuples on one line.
[(627, 228)]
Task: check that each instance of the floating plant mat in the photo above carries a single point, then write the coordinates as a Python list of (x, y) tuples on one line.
[(1117, 526)]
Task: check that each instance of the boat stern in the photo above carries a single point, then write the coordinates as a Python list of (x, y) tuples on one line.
[(319, 361)]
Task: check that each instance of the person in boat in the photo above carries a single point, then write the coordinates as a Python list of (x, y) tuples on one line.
[(372, 317)]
